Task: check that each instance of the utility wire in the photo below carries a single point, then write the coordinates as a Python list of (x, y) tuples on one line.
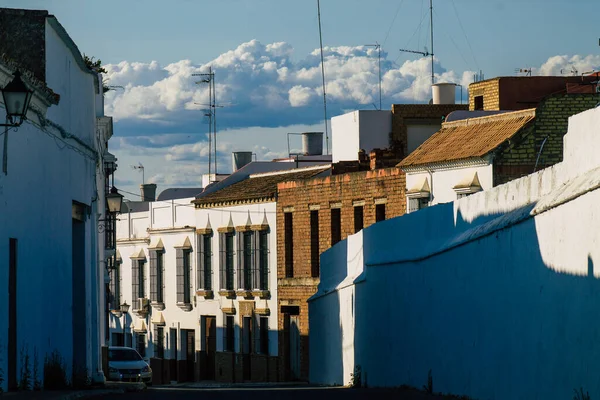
[(392, 24), (455, 45), (464, 33)]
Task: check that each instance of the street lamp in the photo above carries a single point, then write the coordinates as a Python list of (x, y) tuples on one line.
[(16, 97), (114, 200), (124, 309)]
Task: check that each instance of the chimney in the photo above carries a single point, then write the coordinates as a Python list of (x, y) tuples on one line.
[(239, 159), (148, 191)]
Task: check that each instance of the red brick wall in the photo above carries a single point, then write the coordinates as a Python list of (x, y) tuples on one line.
[(299, 197)]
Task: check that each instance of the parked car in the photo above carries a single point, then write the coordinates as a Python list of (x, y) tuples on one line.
[(125, 364)]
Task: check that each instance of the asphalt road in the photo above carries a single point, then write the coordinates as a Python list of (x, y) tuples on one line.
[(294, 393)]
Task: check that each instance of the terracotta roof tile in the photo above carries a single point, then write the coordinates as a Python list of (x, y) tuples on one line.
[(468, 138), (260, 187)]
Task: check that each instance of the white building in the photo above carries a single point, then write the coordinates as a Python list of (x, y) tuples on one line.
[(460, 159), (51, 197), (492, 295), (201, 274), (359, 130)]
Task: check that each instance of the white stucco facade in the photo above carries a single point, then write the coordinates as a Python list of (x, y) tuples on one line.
[(360, 129), (491, 294), (50, 200), (172, 223), (442, 180)]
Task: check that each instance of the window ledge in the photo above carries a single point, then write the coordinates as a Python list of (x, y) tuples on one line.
[(158, 305), (142, 312), (206, 293), (185, 306), (230, 294), (262, 294), (245, 293)]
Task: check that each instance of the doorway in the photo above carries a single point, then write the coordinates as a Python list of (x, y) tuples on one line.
[(210, 345), (247, 347), (190, 354)]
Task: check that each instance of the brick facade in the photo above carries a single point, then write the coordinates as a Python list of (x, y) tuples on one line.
[(404, 114), (363, 189), (519, 157), (520, 93)]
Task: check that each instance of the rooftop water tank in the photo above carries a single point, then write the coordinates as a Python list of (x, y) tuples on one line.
[(444, 93), (240, 158), (312, 143)]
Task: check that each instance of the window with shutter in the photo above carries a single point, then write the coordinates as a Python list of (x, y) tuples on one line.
[(141, 277), (204, 264), (179, 254), (135, 280), (153, 277), (245, 260), (263, 260)]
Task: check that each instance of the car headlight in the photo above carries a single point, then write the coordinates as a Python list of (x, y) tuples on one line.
[(112, 370), (146, 369)]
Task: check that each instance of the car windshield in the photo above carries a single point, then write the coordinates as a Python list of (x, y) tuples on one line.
[(123, 355)]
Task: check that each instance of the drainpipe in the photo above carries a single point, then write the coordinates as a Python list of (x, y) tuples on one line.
[(430, 186)]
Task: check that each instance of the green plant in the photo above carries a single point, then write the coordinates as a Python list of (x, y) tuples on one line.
[(356, 377), (580, 395), (81, 378), (25, 375), (429, 387), (55, 372), (37, 384)]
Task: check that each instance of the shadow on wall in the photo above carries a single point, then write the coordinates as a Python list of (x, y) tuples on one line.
[(476, 303)]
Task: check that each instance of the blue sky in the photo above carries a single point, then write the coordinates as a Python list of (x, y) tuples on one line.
[(268, 74)]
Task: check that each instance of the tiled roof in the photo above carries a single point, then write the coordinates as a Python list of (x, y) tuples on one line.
[(257, 188), (469, 138)]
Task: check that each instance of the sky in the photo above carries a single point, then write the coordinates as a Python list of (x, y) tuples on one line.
[(266, 59)]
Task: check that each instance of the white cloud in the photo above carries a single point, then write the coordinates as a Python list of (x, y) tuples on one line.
[(300, 95), (568, 65)]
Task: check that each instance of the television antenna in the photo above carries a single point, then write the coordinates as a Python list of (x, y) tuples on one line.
[(526, 71), (426, 52), (140, 167), (211, 113)]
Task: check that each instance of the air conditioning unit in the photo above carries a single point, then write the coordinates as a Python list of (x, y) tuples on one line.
[(143, 303)]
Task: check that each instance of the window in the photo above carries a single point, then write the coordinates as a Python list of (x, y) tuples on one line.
[(245, 258), (289, 244), (262, 345), (229, 334), (263, 260), (159, 342), (336, 225), (140, 344), (110, 222), (226, 265), (204, 274), (137, 280), (156, 276), (314, 243), (358, 218), (115, 283), (417, 203), (182, 264), (478, 100), (379, 212)]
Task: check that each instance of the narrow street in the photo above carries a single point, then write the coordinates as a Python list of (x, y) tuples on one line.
[(289, 393)]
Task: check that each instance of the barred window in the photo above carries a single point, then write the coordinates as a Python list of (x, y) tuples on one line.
[(183, 275), (226, 264), (262, 338), (263, 260), (159, 342), (140, 344), (245, 258), (314, 243), (229, 334), (115, 283), (137, 279), (417, 203), (156, 276), (204, 265)]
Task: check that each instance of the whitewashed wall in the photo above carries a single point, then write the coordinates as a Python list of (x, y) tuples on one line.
[(442, 180), (495, 294), (172, 222), (361, 129), (44, 178)]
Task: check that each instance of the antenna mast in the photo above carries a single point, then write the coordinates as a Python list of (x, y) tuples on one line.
[(212, 117), (427, 53), (323, 74)]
